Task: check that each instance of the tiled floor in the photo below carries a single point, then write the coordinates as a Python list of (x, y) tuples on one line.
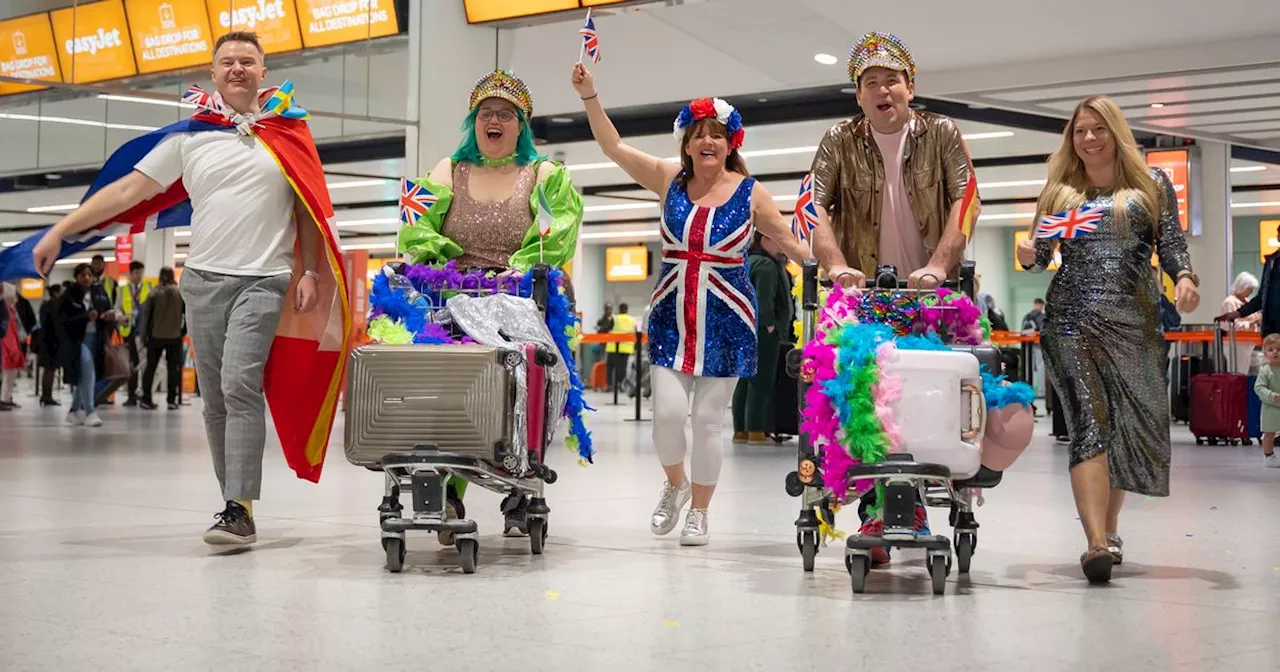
[(102, 568)]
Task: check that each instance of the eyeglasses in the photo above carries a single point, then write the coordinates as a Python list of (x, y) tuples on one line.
[(505, 116)]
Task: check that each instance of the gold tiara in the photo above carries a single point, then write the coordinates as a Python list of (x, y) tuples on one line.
[(504, 85)]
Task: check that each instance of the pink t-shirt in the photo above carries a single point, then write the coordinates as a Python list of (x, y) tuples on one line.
[(900, 241)]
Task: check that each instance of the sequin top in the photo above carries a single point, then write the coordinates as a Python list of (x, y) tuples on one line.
[(703, 320), (489, 233), (1102, 342)]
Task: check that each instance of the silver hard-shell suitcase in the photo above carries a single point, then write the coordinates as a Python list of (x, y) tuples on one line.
[(457, 398)]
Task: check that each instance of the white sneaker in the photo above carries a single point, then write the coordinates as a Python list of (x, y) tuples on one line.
[(75, 418), (92, 420), (695, 532), (1272, 460)]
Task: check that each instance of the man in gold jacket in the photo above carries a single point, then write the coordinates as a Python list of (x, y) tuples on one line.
[(893, 185)]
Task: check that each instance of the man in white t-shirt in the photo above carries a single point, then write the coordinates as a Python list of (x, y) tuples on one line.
[(894, 187), (244, 225)]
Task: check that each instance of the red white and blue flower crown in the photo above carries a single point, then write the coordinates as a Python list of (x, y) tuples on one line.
[(712, 108)]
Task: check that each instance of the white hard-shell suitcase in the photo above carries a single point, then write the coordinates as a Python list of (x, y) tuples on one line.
[(941, 413)]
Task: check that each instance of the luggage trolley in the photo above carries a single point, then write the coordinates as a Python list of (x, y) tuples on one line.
[(903, 476), (473, 415)]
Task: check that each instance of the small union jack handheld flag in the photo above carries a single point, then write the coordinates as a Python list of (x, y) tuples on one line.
[(806, 218), (415, 200), (202, 99), (590, 40), (1070, 224)]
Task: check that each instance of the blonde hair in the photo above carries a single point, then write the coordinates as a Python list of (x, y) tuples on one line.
[(1067, 182), (1271, 341)]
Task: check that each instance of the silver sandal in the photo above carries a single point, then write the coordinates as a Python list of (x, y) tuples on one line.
[(1115, 546)]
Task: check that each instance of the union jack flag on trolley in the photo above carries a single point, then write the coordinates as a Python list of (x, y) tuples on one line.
[(805, 219), (590, 40), (1070, 224), (415, 201)]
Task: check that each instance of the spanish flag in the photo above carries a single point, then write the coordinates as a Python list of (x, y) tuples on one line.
[(304, 371)]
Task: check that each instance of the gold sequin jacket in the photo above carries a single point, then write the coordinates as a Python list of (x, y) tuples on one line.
[(848, 176)]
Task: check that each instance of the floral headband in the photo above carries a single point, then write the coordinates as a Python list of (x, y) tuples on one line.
[(712, 108)]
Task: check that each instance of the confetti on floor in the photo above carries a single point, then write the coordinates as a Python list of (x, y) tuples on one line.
[(553, 595), (675, 624)]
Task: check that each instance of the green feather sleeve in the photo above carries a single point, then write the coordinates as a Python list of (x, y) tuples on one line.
[(565, 208), (423, 241)]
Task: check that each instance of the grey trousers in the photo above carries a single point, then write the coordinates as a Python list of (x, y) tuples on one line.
[(232, 321)]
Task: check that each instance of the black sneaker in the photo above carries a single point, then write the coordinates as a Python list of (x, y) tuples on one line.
[(131, 403), (516, 523), (234, 527), (147, 406)]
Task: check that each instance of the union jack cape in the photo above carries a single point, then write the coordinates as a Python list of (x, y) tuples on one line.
[(304, 371)]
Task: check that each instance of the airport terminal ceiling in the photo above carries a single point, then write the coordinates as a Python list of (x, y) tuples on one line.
[(1201, 73)]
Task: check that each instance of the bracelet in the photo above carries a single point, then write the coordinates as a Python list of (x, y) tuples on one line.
[(312, 274), (595, 95)]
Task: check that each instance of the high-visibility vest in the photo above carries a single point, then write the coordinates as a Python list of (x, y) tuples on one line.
[(623, 324), (132, 311)]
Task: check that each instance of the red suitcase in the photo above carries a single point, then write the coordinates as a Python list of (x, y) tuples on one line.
[(537, 401), (1220, 401)]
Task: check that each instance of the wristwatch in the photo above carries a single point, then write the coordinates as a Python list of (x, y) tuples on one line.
[(316, 276), (1195, 279)]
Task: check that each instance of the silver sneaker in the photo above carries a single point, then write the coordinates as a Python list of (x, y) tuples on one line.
[(1115, 546), (669, 504), (695, 532)]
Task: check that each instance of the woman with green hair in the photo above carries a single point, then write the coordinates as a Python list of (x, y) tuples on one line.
[(490, 195)]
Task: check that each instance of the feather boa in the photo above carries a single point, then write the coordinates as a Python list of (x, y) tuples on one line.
[(848, 412), (402, 302)]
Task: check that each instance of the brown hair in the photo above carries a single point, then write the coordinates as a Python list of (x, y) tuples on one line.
[(734, 162), (239, 36), (1272, 341)]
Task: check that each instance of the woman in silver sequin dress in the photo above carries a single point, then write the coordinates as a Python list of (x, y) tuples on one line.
[(1102, 340)]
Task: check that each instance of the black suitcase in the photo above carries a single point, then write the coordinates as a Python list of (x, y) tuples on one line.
[(1012, 360), (786, 400), (989, 358), (1184, 369)]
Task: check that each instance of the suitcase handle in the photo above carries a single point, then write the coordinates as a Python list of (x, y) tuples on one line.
[(977, 412)]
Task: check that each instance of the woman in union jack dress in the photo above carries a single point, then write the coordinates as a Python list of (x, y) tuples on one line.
[(702, 321)]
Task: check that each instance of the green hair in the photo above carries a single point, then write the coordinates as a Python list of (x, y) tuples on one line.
[(469, 151)]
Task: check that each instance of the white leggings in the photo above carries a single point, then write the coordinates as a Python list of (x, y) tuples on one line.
[(671, 391)]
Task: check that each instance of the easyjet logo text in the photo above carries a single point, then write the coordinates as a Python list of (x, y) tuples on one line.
[(93, 43), (250, 16)]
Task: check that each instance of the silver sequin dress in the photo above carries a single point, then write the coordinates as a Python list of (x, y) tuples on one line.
[(1102, 341)]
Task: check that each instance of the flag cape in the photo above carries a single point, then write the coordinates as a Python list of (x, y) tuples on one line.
[(304, 370)]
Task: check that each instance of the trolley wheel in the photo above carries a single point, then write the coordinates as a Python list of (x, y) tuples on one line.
[(1213, 441), (1199, 441), (858, 566), (470, 550), (537, 535), (964, 551), (808, 541), (395, 554), (938, 572), (1247, 442), (512, 359), (1233, 442)]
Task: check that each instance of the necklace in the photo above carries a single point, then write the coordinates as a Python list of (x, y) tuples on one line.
[(498, 163)]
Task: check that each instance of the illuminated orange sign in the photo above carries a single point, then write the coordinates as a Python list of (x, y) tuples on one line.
[(326, 22), (626, 264), (275, 22), (169, 34), (1267, 242), (93, 42), (1018, 237), (1176, 163), (27, 51), (480, 11), (31, 288)]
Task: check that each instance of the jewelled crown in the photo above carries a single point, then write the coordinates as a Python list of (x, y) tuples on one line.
[(880, 50), (504, 85)]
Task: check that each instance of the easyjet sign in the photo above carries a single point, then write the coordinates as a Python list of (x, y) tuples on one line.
[(275, 21), (94, 42)]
